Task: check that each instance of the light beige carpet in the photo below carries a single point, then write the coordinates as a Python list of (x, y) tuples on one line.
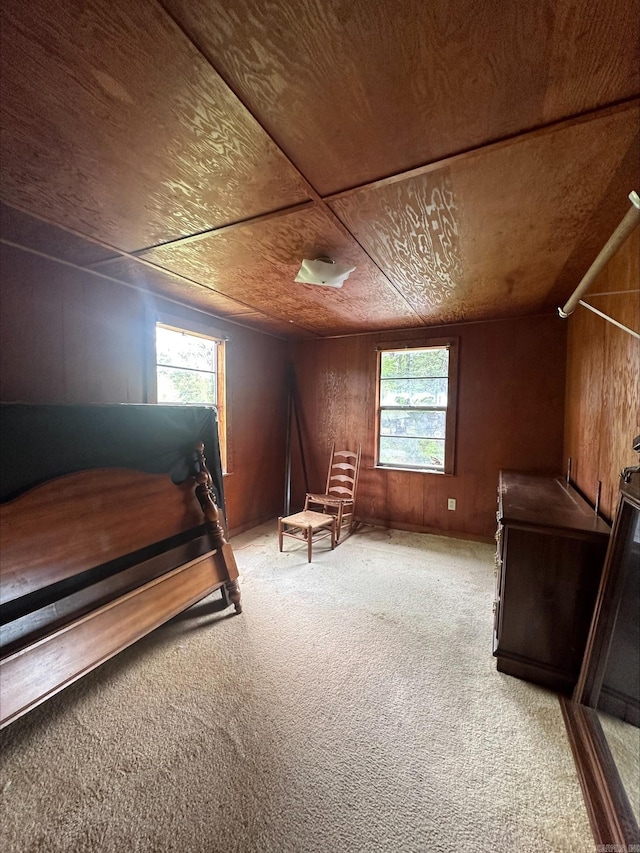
[(353, 706)]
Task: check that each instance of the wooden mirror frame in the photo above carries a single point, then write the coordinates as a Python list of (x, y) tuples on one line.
[(612, 819)]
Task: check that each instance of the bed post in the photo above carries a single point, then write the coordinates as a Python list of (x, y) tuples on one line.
[(223, 555)]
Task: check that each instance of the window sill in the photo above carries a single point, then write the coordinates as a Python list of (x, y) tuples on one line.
[(409, 470)]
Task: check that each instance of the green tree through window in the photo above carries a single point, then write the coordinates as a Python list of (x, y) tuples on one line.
[(413, 408), (187, 367), (190, 370)]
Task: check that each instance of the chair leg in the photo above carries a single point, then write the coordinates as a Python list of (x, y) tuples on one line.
[(309, 543), (339, 523), (280, 533), (350, 516)]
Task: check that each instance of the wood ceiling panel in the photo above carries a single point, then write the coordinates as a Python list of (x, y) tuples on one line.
[(598, 224), (280, 328), (24, 230), (356, 91), (495, 234), (534, 216), (257, 264), (165, 284), (410, 228), (592, 57), (114, 125)]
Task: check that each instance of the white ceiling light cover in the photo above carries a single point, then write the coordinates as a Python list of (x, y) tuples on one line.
[(323, 272)]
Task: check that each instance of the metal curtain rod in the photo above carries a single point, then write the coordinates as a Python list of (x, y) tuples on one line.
[(614, 242)]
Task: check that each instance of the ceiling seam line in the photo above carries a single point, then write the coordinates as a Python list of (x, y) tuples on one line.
[(92, 240), (315, 195), (411, 331), (488, 147), (153, 293), (229, 226), (616, 292), (396, 177), (119, 254)]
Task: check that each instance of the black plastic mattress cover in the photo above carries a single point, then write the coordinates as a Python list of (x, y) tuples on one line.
[(41, 442)]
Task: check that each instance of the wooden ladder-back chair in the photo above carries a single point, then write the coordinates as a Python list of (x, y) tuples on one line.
[(339, 498)]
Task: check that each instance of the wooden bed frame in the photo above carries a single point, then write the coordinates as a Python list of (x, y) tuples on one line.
[(95, 560)]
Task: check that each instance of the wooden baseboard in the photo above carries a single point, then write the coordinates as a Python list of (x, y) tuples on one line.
[(378, 522), (236, 531), (419, 528)]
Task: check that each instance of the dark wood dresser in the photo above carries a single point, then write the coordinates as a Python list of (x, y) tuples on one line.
[(550, 553)]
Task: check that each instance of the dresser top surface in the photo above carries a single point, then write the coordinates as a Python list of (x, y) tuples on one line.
[(539, 501)]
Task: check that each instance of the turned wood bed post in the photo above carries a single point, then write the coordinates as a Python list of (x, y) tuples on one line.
[(223, 552)]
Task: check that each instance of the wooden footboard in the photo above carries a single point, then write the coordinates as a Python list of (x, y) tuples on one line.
[(92, 562), (33, 674)]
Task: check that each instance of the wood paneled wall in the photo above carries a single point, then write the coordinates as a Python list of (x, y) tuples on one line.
[(510, 415), (603, 373), (67, 336)]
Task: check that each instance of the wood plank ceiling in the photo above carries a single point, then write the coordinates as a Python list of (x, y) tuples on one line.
[(468, 157)]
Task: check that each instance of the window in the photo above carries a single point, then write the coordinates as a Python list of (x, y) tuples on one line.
[(186, 367), (416, 407), (190, 368)]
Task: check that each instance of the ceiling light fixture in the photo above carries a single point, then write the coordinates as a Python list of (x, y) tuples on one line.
[(323, 271)]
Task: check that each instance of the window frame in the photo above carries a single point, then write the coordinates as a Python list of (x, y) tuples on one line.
[(196, 330), (452, 344)]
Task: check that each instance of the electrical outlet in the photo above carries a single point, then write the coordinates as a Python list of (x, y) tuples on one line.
[(451, 503)]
